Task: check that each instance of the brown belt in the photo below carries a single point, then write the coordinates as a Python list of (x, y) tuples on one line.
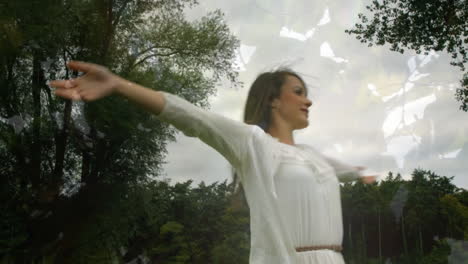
[(336, 248)]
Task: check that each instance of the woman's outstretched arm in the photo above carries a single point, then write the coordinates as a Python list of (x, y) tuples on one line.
[(346, 173), (227, 136), (98, 82)]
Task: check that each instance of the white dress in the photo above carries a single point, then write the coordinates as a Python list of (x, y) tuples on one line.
[(275, 224), (309, 204)]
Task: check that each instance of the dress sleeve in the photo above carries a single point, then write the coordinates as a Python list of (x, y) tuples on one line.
[(227, 136), (344, 172)]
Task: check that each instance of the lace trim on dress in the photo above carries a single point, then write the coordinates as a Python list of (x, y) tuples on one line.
[(297, 155)]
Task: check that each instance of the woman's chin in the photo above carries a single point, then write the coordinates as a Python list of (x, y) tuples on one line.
[(303, 125)]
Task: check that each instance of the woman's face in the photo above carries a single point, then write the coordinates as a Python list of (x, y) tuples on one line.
[(292, 105)]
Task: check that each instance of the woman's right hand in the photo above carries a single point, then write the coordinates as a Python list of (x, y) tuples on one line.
[(97, 82)]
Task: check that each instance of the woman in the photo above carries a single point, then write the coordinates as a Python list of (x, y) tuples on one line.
[(291, 189)]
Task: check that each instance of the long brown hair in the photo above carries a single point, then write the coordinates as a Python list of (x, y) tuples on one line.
[(265, 88)]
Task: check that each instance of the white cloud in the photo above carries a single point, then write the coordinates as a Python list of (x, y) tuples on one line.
[(450, 155), (373, 89), (406, 88), (327, 52), (415, 75), (289, 33), (243, 55), (427, 58), (404, 115), (412, 63), (325, 18), (399, 147), (338, 147)]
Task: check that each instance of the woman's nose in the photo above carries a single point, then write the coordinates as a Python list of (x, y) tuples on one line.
[(308, 103)]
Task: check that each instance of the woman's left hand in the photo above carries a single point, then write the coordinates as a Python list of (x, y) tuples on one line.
[(366, 179), (97, 82)]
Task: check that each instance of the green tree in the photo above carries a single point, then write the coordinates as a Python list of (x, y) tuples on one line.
[(394, 195), (358, 205), (421, 26), (234, 246), (191, 225), (456, 215), (422, 220), (70, 170), (423, 208), (439, 253)]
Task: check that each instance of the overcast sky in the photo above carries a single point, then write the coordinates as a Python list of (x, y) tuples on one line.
[(372, 107)]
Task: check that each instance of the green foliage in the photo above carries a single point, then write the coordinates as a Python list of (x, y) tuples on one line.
[(438, 254), (456, 215), (174, 245), (189, 224), (420, 26), (402, 220), (77, 179), (235, 245)]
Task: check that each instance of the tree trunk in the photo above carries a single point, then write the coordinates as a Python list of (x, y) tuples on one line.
[(380, 238), (421, 249), (85, 164), (61, 140), (363, 233), (109, 31), (350, 236), (403, 234), (37, 81)]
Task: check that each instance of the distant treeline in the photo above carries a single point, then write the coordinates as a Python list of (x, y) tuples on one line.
[(423, 220)]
